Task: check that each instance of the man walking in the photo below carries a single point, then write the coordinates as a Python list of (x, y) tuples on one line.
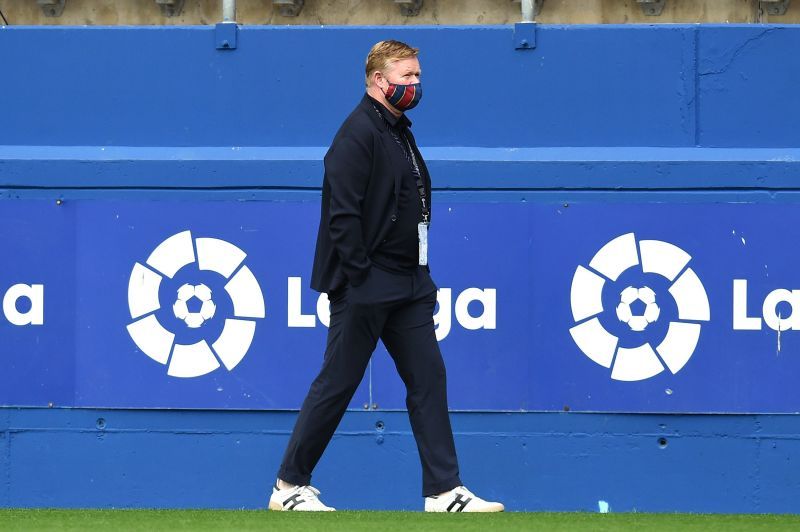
[(371, 260)]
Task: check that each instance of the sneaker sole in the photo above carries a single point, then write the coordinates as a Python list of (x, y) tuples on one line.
[(278, 507), (488, 509)]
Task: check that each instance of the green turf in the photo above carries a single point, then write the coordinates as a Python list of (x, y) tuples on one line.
[(155, 520)]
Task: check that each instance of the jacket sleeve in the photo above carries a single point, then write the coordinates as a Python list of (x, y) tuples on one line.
[(347, 168)]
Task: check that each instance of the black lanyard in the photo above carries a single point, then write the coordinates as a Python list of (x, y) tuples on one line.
[(423, 196)]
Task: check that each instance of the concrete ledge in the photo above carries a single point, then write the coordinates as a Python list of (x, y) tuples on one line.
[(470, 168)]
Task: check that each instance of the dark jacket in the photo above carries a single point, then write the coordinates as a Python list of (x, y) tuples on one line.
[(359, 197)]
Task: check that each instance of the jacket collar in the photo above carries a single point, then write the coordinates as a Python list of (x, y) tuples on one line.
[(369, 105)]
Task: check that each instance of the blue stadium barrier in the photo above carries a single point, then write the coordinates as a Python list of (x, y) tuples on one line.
[(133, 161)]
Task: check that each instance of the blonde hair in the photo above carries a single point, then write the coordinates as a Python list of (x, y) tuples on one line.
[(385, 53)]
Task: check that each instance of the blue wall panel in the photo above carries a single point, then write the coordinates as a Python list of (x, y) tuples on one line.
[(727, 72), (566, 462), (671, 85), (582, 85), (680, 133)]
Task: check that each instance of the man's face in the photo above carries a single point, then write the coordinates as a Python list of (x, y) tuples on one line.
[(402, 72)]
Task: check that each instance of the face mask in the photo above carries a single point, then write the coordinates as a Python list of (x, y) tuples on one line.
[(404, 97)]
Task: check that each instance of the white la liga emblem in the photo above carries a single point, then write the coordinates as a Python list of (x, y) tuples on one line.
[(201, 358), (644, 361)]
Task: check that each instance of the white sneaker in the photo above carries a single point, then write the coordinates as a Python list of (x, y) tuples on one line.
[(297, 499), (460, 499)]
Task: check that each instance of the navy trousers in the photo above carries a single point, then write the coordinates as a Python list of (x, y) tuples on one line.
[(397, 309)]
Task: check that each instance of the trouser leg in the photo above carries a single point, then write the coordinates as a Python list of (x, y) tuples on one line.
[(410, 338), (353, 334)]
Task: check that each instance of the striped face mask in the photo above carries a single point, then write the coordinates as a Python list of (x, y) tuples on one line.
[(404, 97)]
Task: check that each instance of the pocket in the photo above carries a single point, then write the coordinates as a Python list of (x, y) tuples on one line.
[(426, 280), (334, 296), (364, 280)]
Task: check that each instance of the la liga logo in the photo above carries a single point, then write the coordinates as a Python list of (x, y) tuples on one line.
[(194, 304), (625, 286)]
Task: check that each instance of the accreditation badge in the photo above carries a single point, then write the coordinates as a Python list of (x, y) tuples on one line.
[(422, 234)]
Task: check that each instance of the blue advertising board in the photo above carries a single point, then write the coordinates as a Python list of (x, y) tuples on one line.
[(637, 307)]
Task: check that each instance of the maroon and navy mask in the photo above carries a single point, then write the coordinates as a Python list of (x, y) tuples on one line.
[(404, 97)]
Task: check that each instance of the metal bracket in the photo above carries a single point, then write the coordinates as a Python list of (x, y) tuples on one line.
[(51, 8), (170, 8), (289, 8), (652, 7), (409, 8), (537, 6), (774, 7), (225, 35), (524, 35)]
